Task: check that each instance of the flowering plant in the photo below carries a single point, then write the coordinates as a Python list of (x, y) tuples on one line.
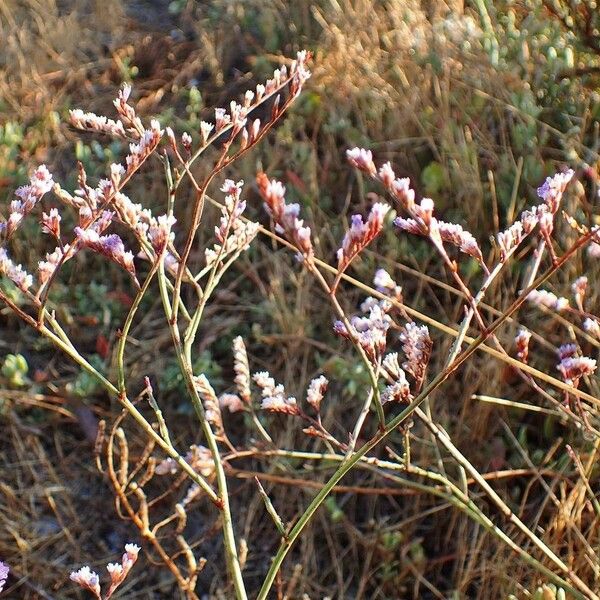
[(400, 385)]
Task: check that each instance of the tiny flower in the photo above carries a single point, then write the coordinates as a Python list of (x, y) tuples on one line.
[(592, 327), (417, 346), (232, 402), (4, 570), (285, 215), (361, 234), (14, 272), (579, 289), (186, 141), (205, 129), (87, 579), (383, 281), (522, 343), (399, 391), (391, 365), (547, 299), (424, 210), (51, 223), (552, 189), (387, 175), (241, 368), (255, 129), (546, 222), (221, 119), (115, 570), (159, 233), (575, 367), (594, 250), (403, 193), (361, 159), (211, 403), (315, 392)]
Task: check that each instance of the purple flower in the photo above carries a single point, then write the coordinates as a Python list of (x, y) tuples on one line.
[(4, 569)]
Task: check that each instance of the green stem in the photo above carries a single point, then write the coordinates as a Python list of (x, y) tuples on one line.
[(185, 364)]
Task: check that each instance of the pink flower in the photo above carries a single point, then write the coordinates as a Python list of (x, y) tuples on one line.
[(361, 234), (4, 570), (285, 215), (361, 159), (110, 246), (14, 272), (552, 189), (87, 579), (315, 392), (417, 346), (547, 299), (522, 343), (40, 183)]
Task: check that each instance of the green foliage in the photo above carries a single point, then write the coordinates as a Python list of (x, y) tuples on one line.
[(172, 379), (15, 369), (86, 385)]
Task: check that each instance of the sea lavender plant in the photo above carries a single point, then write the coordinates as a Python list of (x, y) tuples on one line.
[(391, 339)]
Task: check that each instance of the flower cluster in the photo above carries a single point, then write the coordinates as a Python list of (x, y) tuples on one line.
[(4, 571), (118, 572), (551, 193), (285, 215), (242, 369), (579, 289), (92, 122), (316, 391), (237, 116), (399, 389), (547, 299), (421, 220), (28, 196), (14, 272), (370, 332), (274, 398), (212, 410), (522, 343), (198, 457), (147, 143), (88, 580), (127, 112), (417, 347), (233, 234), (110, 246), (361, 234), (573, 367)]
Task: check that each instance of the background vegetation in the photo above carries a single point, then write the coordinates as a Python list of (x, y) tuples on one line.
[(476, 102)]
